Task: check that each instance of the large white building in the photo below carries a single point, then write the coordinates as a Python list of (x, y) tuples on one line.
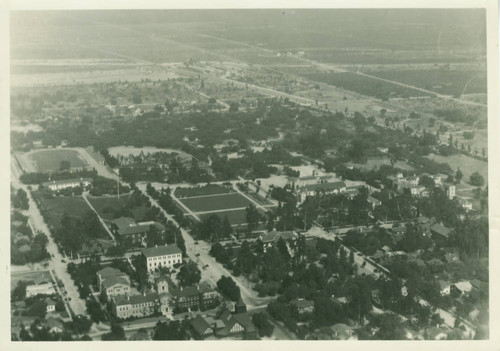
[(42, 288), (162, 256)]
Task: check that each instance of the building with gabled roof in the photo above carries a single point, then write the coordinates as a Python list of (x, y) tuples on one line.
[(113, 282), (56, 185)]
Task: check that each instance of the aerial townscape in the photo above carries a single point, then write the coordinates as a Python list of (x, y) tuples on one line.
[(249, 175)]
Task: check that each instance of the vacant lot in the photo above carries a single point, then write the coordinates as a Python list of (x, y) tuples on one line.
[(106, 206), (57, 206), (468, 165), (50, 160), (216, 202)]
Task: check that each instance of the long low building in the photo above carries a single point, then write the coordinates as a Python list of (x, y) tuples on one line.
[(56, 185)]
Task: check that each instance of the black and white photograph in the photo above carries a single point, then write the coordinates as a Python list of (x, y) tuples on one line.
[(227, 174)]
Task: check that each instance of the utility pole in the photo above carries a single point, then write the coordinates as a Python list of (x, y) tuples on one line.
[(118, 182)]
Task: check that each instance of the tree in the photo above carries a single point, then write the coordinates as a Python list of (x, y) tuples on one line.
[(228, 287), (226, 228), (19, 292), (234, 107), (116, 333), (253, 217), (171, 330), (189, 274), (458, 176), (262, 324), (81, 324), (476, 179), (389, 327), (38, 309)]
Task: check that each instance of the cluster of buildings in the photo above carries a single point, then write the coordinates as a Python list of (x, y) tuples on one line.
[(132, 233), (58, 185), (164, 299), (226, 324)]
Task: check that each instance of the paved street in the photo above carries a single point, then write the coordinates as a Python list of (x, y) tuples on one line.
[(214, 271), (56, 264)]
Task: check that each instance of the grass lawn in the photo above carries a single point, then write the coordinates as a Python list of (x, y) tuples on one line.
[(468, 165), (50, 160), (217, 202), (202, 191), (106, 206), (57, 206), (373, 163)]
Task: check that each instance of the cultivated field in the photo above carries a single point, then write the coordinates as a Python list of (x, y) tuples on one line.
[(50, 160)]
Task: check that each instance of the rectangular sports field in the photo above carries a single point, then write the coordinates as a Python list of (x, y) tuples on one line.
[(50, 160), (216, 202)]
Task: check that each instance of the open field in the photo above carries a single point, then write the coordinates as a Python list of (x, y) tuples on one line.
[(373, 163), (106, 206), (468, 165), (57, 206), (49, 160), (442, 81), (216, 202)]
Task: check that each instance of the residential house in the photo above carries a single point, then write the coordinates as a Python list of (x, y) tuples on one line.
[(272, 238), (126, 306), (460, 288), (303, 306), (54, 325), (51, 305), (451, 257), (56, 185), (440, 231), (237, 324), (209, 296), (341, 331), (161, 256), (185, 298), (373, 201), (444, 287), (201, 327)]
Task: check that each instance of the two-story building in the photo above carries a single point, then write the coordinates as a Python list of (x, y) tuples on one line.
[(126, 306), (161, 256), (131, 233), (113, 282)]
